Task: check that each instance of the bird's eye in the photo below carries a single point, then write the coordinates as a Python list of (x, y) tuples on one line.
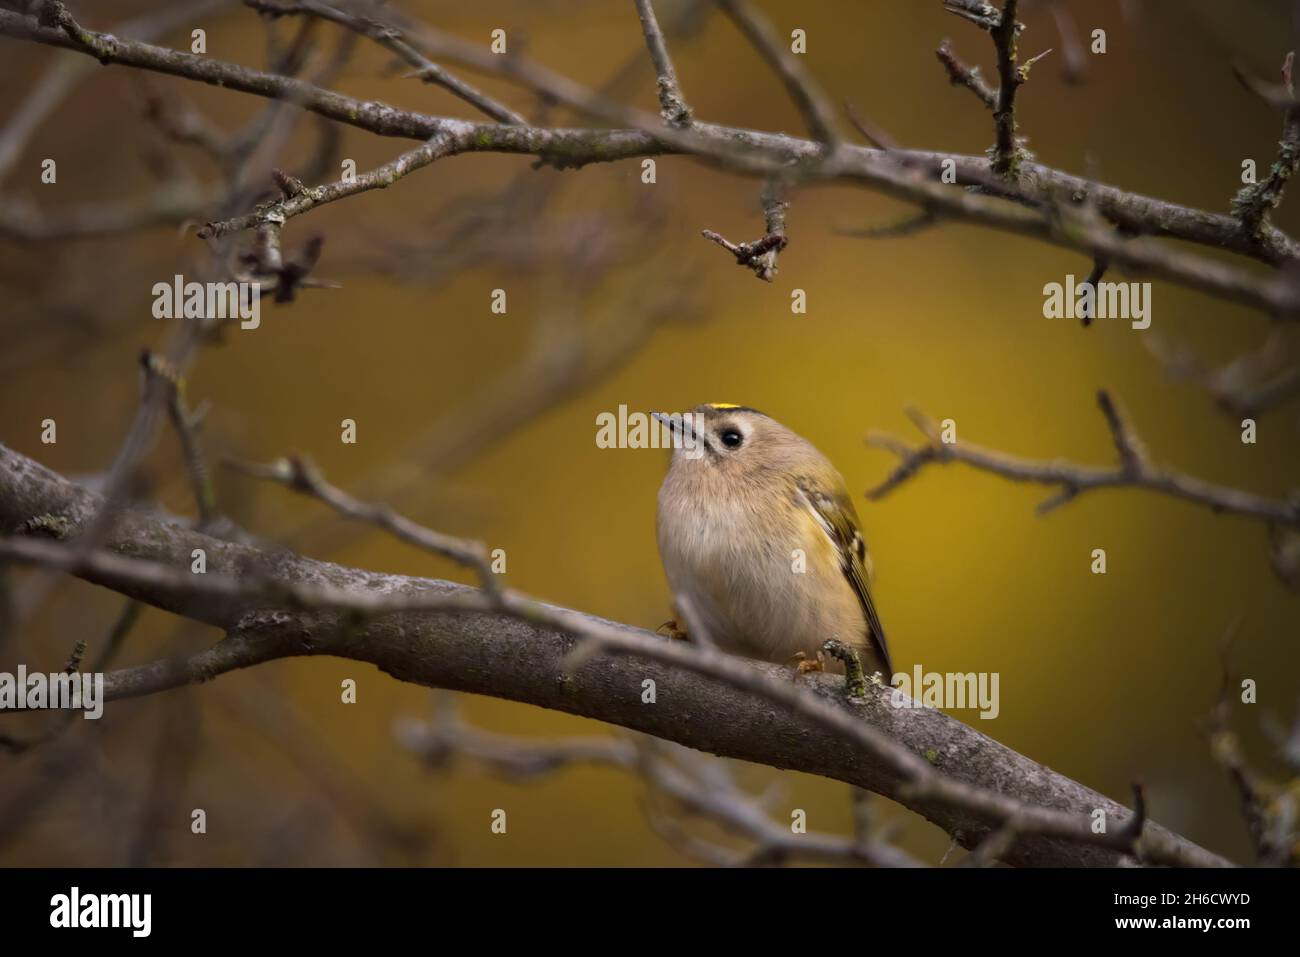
[(731, 438)]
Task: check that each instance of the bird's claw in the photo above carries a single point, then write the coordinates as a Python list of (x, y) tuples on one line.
[(672, 631), (806, 664)]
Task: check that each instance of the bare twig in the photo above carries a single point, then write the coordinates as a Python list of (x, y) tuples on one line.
[(818, 114), (1006, 155), (1099, 266), (906, 225), (64, 75), (1254, 201), (184, 422), (993, 848), (750, 255), (869, 130), (1133, 471), (760, 255), (960, 74), (751, 153), (672, 104), (1265, 396), (303, 199), (702, 786), (1005, 31), (301, 475), (1269, 811), (446, 737), (1249, 384), (390, 38), (1074, 56)]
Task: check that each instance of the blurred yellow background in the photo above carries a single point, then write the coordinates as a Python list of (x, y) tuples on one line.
[(1103, 678)]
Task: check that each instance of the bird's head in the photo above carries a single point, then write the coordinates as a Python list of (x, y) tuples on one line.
[(721, 440)]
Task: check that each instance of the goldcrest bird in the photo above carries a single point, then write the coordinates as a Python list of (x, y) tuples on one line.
[(759, 537)]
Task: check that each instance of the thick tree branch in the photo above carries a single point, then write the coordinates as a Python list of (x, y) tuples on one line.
[(706, 700)]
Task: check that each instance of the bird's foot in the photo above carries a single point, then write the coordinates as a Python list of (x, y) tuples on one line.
[(806, 664), (673, 632), (855, 681)]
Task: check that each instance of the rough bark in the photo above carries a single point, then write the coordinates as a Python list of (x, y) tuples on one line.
[(507, 658)]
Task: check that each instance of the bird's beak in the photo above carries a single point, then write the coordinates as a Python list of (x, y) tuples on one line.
[(675, 422)]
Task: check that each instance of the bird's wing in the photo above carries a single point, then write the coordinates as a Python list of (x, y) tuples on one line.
[(839, 520)]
